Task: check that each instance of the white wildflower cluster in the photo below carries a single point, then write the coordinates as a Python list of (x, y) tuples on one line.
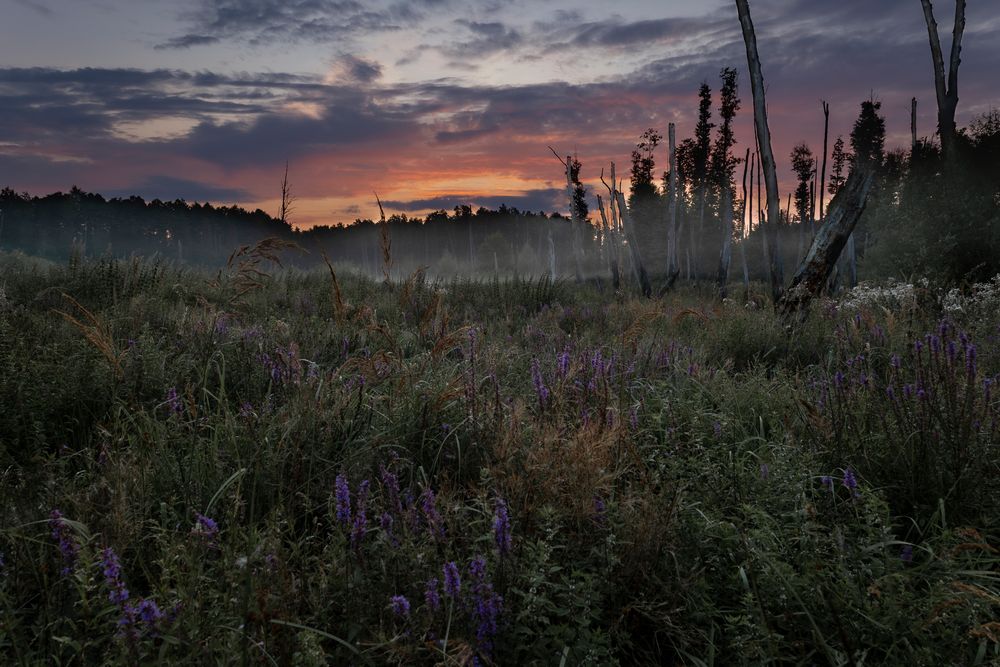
[(981, 299), (894, 296), (5, 304)]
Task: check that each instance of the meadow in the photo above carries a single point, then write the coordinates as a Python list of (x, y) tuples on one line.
[(292, 468)]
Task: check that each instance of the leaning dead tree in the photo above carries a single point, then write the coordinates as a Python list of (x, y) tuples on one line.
[(763, 146), (841, 219)]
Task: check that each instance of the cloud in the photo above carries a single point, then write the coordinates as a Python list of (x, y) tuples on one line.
[(487, 38), (267, 21), (349, 68)]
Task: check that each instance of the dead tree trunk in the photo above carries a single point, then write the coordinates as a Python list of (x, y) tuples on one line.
[(745, 224), (913, 125), (640, 272), (673, 270), (612, 246), (763, 145), (574, 221), (841, 219), (726, 256), (822, 175), (946, 90)]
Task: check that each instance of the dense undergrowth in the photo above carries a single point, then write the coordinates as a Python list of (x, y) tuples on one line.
[(494, 473)]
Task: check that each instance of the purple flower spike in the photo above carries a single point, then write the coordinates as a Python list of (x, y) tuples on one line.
[(501, 527), (452, 580), (65, 540), (431, 595), (112, 570), (343, 499), (400, 606)]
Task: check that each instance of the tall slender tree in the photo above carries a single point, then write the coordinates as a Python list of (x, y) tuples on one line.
[(723, 166)]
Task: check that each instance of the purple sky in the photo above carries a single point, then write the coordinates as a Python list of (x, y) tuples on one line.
[(432, 102)]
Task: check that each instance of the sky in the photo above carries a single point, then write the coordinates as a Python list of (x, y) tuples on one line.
[(434, 103)]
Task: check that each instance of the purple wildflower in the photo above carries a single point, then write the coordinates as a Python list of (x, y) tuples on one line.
[(400, 605), (431, 595), (429, 506), (360, 515), (850, 481), (906, 554), (541, 391), (970, 359), (826, 481), (765, 471), (64, 539), (112, 570), (501, 527), (174, 402), (452, 580), (391, 485), (343, 498), (563, 363), (205, 528)]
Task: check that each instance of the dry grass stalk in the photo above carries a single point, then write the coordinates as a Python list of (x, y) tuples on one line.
[(97, 332), (385, 243), (339, 309)]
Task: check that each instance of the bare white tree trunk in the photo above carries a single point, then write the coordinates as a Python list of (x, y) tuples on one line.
[(672, 267), (826, 136), (640, 272), (763, 144), (726, 256), (744, 224)]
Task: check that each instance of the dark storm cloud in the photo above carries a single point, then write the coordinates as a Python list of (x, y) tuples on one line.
[(487, 38), (167, 188), (547, 199), (267, 21)]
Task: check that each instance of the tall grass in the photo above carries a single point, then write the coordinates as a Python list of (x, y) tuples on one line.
[(295, 474)]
